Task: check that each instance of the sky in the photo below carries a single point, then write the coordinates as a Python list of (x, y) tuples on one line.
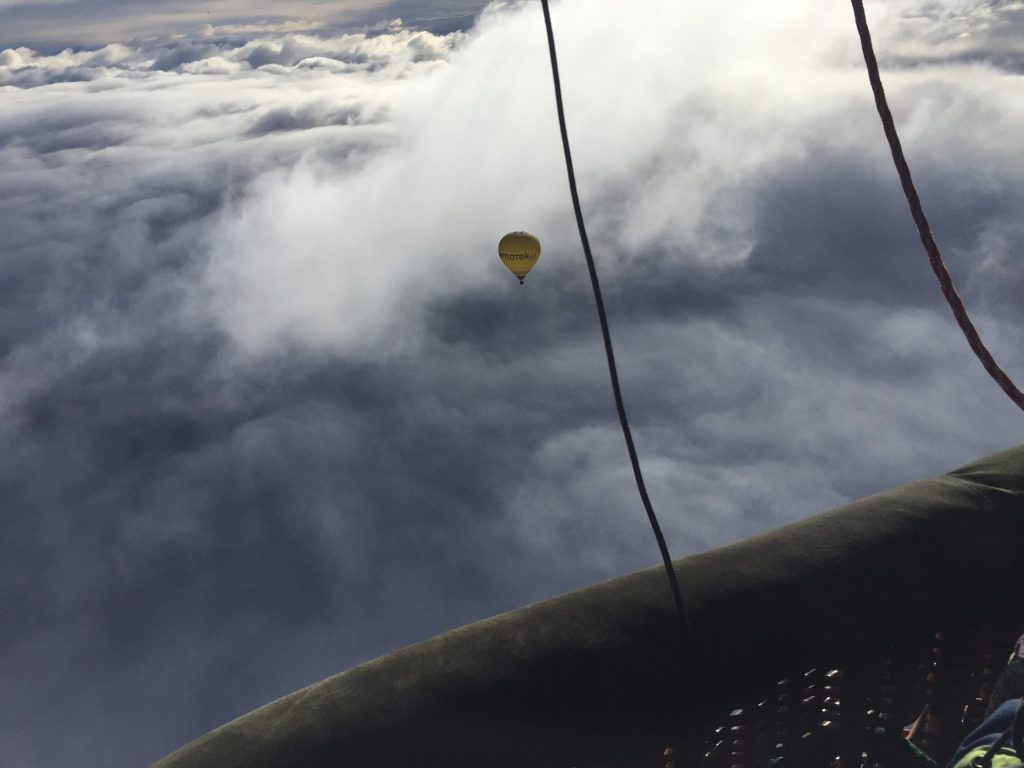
[(270, 405)]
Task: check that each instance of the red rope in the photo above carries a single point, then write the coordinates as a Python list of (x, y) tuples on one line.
[(934, 257)]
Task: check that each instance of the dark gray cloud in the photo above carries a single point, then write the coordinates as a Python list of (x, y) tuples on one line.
[(271, 406), (962, 31), (306, 117)]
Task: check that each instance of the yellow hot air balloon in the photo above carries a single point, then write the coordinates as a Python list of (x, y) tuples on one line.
[(519, 251)]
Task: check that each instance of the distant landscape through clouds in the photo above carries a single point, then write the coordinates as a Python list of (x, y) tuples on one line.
[(271, 406)]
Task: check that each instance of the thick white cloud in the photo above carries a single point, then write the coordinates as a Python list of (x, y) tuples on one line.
[(674, 129), (680, 137)]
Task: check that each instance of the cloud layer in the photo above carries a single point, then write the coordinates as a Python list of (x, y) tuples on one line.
[(272, 406), (51, 25)]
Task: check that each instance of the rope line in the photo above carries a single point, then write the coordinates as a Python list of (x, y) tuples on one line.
[(917, 211), (609, 353)]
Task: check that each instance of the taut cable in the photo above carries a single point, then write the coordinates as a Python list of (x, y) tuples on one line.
[(610, 354)]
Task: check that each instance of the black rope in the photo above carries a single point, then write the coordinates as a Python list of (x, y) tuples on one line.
[(609, 353), (917, 211)]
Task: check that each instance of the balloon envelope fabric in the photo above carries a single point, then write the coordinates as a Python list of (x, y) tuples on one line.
[(597, 677)]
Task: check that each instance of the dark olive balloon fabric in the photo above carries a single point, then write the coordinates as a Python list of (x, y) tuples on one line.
[(592, 676)]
